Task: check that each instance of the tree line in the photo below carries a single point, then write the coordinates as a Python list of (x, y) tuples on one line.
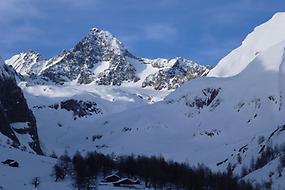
[(154, 172)]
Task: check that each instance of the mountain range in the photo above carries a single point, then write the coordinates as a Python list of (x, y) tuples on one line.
[(102, 59)]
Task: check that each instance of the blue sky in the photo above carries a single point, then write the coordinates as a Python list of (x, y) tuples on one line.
[(200, 30)]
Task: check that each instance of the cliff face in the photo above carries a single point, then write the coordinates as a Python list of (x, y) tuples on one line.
[(14, 110)]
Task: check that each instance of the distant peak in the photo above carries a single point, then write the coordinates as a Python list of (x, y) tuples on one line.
[(94, 29), (105, 38), (32, 54), (31, 51), (97, 31)]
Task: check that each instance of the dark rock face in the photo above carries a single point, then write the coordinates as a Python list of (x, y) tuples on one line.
[(78, 107), (14, 109), (11, 163), (209, 94), (174, 77)]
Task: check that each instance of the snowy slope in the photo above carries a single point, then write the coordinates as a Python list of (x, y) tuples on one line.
[(30, 167), (262, 38)]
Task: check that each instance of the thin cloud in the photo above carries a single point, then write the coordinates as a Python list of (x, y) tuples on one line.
[(215, 50), (77, 3), (160, 32), (13, 10), (152, 32), (236, 11), (21, 21)]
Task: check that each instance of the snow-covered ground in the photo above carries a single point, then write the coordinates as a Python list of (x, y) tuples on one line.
[(32, 166)]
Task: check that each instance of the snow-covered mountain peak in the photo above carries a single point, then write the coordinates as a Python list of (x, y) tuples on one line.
[(168, 63), (102, 41), (25, 63), (107, 39), (29, 55), (263, 37), (101, 58)]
